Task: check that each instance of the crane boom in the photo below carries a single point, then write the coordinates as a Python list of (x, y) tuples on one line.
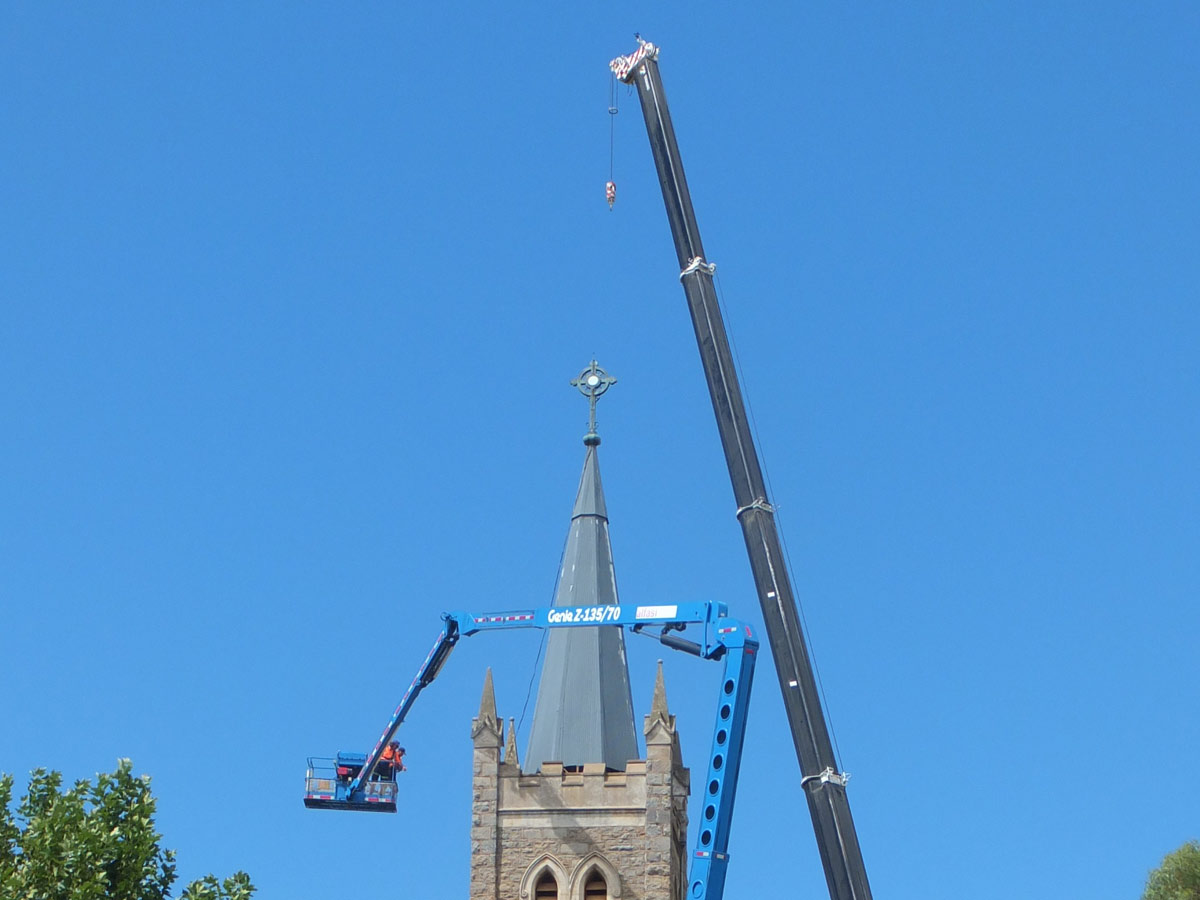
[(824, 786)]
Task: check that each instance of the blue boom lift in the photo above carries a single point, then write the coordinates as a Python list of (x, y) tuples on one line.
[(346, 781)]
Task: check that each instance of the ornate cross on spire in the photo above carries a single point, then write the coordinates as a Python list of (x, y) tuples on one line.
[(592, 382)]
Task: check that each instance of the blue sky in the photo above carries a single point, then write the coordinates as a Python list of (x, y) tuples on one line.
[(290, 295)]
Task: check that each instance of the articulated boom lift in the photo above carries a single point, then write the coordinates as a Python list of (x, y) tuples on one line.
[(824, 786), (345, 781)]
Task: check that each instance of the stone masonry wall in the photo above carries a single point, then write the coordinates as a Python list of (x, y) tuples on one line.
[(571, 817), (630, 825), (486, 732)]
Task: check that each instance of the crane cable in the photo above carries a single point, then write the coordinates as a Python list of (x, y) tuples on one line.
[(612, 123), (610, 189), (806, 634), (542, 644)]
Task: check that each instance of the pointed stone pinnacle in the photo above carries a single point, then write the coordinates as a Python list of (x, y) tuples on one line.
[(660, 726), (658, 708), (487, 703), (510, 750)]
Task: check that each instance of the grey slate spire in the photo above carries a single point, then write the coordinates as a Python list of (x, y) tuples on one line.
[(584, 711)]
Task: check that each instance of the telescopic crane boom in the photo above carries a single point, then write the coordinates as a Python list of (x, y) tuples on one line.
[(824, 786)]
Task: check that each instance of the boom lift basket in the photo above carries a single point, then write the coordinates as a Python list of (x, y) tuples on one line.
[(327, 785)]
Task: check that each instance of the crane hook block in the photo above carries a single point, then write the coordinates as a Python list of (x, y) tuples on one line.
[(610, 193)]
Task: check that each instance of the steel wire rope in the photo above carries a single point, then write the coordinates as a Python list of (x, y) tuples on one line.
[(692, 246), (612, 125), (545, 637), (723, 306), (694, 249)]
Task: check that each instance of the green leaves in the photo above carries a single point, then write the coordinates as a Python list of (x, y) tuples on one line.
[(92, 842), (237, 887), (1178, 878)]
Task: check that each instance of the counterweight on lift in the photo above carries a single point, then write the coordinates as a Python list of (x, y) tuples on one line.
[(824, 786)]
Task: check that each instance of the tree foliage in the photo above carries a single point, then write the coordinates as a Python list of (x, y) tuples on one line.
[(1178, 878), (236, 887), (92, 842)]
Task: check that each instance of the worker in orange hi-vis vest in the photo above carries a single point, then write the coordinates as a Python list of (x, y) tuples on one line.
[(392, 761)]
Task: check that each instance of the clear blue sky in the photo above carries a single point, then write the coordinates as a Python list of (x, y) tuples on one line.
[(289, 299)]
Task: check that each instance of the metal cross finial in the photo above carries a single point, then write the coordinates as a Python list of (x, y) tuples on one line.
[(592, 382)]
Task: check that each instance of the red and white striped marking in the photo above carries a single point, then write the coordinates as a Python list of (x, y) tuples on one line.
[(483, 620)]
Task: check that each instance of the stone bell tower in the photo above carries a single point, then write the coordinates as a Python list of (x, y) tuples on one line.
[(585, 818)]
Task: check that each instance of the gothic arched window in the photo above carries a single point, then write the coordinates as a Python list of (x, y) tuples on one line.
[(595, 888), (595, 878), (546, 887)]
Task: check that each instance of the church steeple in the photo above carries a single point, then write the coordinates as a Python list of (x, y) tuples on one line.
[(584, 711)]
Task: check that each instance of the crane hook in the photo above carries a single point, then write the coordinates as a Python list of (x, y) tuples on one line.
[(610, 193)]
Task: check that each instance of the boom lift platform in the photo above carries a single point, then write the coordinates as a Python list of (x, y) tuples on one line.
[(346, 782)]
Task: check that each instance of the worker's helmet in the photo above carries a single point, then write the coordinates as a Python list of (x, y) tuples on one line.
[(394, 744)]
